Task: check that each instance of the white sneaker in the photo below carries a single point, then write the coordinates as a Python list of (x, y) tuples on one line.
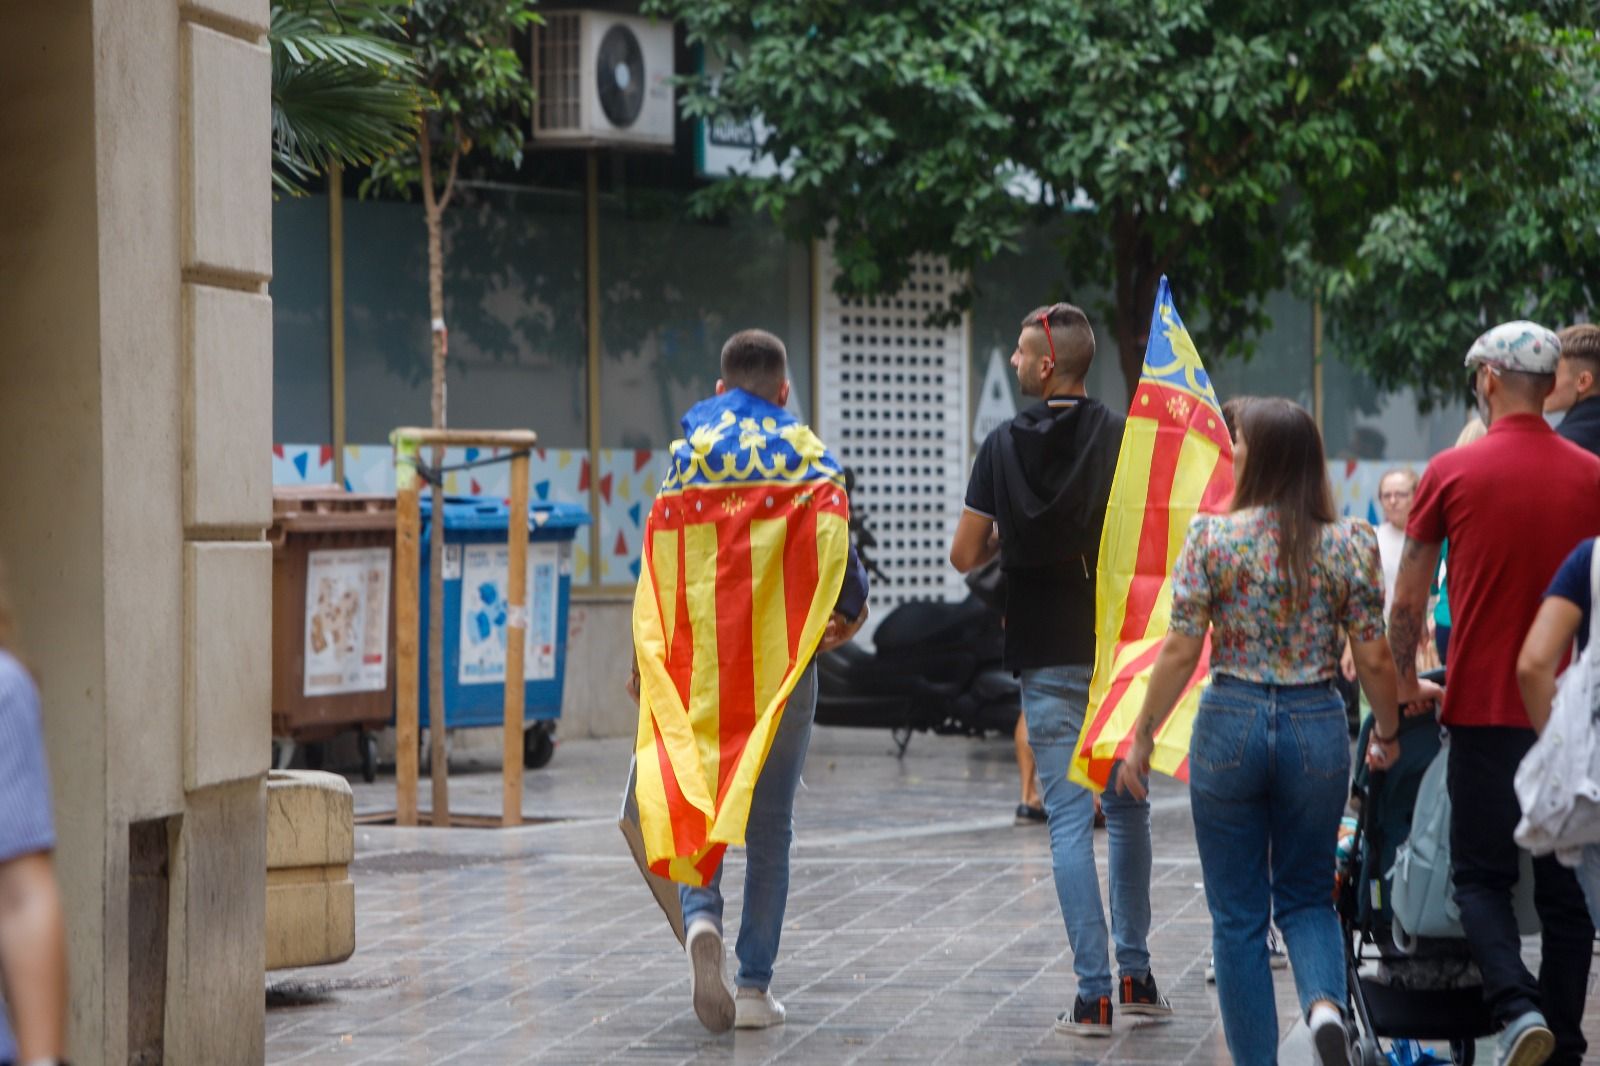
[(754, 1008), (713, 1004), (1329, 1038)]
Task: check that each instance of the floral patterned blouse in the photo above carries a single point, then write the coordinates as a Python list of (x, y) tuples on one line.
[(1227, 578)]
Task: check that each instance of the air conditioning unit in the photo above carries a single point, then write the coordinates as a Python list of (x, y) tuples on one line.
[(602, 79)]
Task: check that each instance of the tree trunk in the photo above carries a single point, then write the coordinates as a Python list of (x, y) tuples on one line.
[(1138, 275), (433, 211)]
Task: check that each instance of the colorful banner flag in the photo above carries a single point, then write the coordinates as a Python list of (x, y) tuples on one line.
[(1176, 459), (744, 553)]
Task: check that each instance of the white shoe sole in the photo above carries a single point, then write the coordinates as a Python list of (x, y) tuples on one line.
[(1148, 1010), (1332, 1044), (713, 1003), (1532, 1048)]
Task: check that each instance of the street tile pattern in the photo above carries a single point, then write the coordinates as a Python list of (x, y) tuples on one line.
[(922, 927)]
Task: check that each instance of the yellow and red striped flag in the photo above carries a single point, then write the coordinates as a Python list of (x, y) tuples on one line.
[(1176, 459), (744, 552)]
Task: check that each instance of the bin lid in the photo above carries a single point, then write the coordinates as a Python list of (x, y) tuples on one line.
[(328, 509), (491, 513)]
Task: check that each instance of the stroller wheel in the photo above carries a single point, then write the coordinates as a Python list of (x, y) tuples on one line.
[(1463, 1051)]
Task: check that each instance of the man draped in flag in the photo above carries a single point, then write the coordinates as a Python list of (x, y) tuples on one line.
[(1176, 459), (1043, 481), (746, 570)]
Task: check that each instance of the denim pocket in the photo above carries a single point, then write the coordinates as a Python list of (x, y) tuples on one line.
[(1221, 730), (1323, 737)]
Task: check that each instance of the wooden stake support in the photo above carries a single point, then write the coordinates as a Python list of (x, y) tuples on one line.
[(408, 443)]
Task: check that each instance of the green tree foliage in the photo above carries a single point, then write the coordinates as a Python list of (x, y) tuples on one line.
[(1424, 166), (343, 93)]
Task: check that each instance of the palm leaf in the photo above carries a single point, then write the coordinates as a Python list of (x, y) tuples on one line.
[(342, 93)]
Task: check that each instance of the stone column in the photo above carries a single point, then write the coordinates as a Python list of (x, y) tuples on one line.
[(135, 418)]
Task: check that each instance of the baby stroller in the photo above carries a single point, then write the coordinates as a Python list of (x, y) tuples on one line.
[(1433, 993)]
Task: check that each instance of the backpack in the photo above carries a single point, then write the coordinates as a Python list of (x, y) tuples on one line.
[(1558, 783), (1421, 892)]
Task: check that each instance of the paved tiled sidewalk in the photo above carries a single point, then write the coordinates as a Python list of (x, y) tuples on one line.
[(922, 927)]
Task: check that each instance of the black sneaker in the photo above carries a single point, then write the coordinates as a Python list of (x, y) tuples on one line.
[(1087, 1017), (1140, 995), (1028, 815)]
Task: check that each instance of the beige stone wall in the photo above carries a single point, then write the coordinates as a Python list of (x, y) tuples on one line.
[(135, 384), (599, 647)]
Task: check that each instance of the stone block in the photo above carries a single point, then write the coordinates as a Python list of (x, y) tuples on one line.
[(215, 1012), (244, 15), (311, 902), (227, 439), (310, 819), (310, 922), (227, 686), (227, 154)]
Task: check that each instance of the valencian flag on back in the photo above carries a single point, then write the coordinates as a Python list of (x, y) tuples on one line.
[(1176, 459), (744, 553)]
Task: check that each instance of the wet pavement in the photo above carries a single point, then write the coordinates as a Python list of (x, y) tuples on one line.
[(922, 927)]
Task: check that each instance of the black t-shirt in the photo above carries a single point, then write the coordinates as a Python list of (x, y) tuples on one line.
[(1045, 478)]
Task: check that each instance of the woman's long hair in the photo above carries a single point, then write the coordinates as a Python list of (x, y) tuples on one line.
[(1285, 471)]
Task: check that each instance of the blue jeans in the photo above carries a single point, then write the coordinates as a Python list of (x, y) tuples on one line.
[(1054, 699), (1269, 769), (768, 833)]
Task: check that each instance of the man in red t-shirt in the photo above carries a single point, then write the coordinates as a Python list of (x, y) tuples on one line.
[(1512, 505)]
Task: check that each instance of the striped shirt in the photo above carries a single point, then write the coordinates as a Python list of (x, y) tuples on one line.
[(25, 826)]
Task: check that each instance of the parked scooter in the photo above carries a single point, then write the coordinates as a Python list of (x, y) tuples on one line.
[(935, 667)]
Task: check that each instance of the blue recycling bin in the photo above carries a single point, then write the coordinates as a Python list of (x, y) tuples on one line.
[(476, 558)]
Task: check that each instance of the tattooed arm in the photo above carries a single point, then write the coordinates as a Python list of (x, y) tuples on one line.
[(1408, 613), (1175, 665)]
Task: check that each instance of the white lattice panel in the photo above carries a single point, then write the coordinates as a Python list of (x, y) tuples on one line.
[(892, 404)]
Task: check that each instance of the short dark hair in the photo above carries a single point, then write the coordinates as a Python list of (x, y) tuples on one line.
[(755, 361), (1071, 336), (1582, 342)]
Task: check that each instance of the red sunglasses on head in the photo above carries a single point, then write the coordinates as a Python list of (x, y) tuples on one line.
[(1044, 323)]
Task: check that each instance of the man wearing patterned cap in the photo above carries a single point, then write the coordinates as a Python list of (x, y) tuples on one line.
[(1493, 500)]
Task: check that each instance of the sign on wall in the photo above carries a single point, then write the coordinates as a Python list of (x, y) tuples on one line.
[(995, 404)]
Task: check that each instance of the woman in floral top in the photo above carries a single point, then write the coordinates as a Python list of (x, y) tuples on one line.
[(1280, 582)]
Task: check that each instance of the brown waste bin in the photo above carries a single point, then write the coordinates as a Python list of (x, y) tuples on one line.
[(332, 618)]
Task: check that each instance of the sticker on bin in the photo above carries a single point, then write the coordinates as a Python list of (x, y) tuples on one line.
[(347, 621), (485, 613)]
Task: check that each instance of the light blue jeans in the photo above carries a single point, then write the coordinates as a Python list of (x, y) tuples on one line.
[(1054, 699), (1269, 769), (768, 834)]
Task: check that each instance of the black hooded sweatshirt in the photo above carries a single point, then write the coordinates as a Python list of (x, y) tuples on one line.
[(1045, 478)]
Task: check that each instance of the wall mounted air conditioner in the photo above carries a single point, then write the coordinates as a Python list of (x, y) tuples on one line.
[(602, 79)]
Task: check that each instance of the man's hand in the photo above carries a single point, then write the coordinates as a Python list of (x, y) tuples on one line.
[(840, 630), (633, 682), (1347, 663), (1427, 698)]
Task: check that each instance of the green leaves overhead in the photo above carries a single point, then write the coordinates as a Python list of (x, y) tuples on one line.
[(1423, 166), (476, 92), (342, 92)]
